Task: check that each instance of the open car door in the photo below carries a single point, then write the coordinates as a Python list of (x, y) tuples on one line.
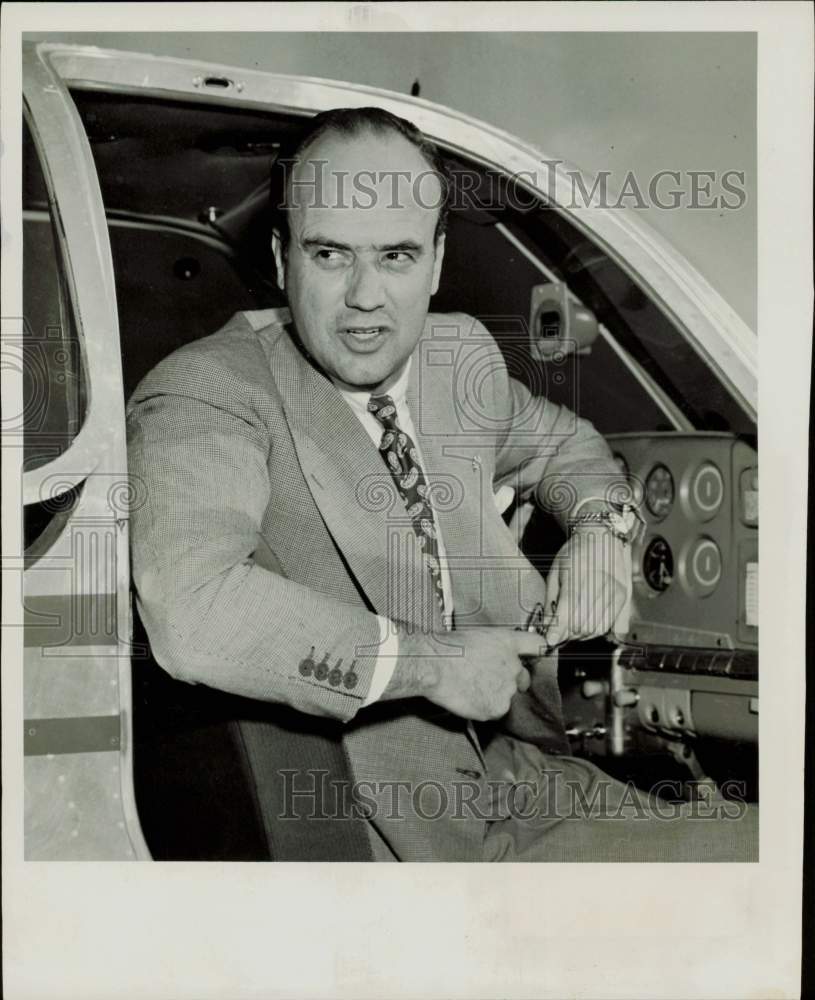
[(79, 801)]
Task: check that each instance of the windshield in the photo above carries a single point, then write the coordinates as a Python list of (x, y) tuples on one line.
[(605, 389)]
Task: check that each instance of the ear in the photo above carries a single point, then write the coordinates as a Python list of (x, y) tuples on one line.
[(437, 264), (279, 259)]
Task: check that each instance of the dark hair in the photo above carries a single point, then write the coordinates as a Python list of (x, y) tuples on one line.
[(351, 122)]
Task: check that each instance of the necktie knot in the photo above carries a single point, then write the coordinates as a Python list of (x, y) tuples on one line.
[(384, 409)]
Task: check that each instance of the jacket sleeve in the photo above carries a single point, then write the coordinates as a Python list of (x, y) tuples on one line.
[(199, 460), (549, 454)]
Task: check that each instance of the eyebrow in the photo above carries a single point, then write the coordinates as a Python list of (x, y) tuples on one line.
[(320, 241)]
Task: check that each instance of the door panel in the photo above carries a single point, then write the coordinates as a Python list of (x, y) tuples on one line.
[(79, 801)]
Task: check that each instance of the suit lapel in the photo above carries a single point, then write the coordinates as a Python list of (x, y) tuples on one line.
[(352, 489)]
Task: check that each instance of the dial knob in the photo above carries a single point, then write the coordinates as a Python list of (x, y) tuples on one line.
[(591, 689), (626, 697)]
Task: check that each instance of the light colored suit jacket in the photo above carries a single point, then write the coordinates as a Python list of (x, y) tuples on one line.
[(270, 530)]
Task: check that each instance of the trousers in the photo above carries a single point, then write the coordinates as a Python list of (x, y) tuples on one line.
[(565, 809)]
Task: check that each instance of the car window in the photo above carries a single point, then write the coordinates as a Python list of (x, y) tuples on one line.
[(636, 322), (500, 273), (53, 369), (53, 374), (486, 275)]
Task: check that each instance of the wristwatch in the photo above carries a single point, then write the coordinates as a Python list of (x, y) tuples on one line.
[(623, 521)]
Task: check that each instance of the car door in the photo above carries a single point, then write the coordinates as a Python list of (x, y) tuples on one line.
[(79, 801)]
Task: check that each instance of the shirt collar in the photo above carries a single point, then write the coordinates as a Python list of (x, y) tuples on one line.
[(358, 399)]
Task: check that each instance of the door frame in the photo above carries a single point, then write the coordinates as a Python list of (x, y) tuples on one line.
[(78, 739)]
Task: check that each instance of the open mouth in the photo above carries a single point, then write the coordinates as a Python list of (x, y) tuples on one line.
[(364, 332), (363, 338)]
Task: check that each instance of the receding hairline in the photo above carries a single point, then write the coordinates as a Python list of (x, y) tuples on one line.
[(361, 131), (366, 130), (350, 125)]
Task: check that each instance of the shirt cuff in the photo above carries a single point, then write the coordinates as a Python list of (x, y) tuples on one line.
[(503, 497), (385, 662)]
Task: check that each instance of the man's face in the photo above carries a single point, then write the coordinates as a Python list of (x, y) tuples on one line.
[(362, 261)]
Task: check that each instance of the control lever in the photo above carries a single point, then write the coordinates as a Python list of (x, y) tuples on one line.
[(701, 785)]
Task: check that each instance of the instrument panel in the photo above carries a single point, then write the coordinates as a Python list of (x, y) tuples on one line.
[(686, 671), (696, 561)]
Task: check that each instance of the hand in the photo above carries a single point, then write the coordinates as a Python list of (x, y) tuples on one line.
[(473, 673), (586, 587)]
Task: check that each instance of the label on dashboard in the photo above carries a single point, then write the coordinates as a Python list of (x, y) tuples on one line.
[(751, 594), (748, 488), (751, 506)]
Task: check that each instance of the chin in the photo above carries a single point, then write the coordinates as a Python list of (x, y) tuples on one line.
[(367, 382), (369, 376)]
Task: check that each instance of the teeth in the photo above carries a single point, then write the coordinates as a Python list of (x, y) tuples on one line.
[(365, 332)]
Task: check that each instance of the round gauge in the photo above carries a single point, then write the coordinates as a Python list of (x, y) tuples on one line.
[(659, 491), (704, 567), (707, 491), (658, 565)]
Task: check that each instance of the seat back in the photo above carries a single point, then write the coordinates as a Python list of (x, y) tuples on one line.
[(224, 778)]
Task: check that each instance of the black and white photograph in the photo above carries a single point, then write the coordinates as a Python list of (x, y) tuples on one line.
[(383, 450)]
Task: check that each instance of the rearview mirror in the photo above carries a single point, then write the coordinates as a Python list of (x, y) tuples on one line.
[(558, 324)]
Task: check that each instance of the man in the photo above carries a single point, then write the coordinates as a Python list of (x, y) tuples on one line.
[(321, 529)]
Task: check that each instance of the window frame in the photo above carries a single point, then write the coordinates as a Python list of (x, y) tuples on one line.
[(81, 236)]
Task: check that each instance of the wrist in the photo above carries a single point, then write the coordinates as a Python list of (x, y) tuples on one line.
[(417, 672)]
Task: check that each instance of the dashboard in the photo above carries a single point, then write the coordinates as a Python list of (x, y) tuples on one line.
[(696, 563), (687, 669)]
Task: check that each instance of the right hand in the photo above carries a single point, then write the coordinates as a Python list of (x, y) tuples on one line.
[(473, 673)]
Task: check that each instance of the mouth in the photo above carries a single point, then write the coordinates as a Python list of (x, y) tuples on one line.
[(363, 337)]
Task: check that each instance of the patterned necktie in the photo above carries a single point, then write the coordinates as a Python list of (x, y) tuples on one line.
[(402, 459)]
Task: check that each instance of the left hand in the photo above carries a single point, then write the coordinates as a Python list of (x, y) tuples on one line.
[(586, 587)]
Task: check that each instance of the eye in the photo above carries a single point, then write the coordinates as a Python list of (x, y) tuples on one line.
[(329, 257), (398, 257)]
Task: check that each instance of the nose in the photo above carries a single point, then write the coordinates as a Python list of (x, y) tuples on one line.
[(364, 290)]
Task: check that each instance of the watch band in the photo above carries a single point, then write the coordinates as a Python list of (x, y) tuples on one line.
[(625, 523)]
